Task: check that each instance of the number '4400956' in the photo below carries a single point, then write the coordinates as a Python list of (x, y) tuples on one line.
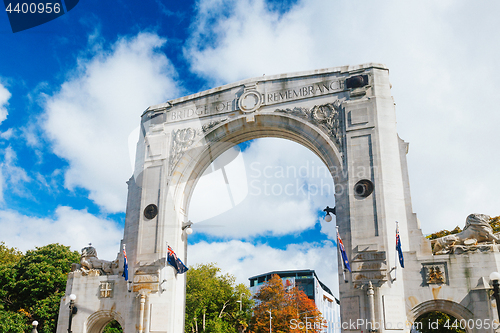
[(33, 8)]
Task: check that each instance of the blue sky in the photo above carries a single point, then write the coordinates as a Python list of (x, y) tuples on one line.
[(72, 91)]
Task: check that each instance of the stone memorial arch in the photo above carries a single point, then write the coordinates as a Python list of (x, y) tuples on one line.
[(346, 116)]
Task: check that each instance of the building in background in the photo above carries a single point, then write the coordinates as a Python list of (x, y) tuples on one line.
[(307, 281)]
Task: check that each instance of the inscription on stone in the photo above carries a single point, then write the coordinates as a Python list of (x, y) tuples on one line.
[(364, 256), (358, 266), (350, 309), (394, 316), (157, 317), (229, 100), (147, 282), (368, 276), (145, 278), (315, 89), (196, 111), (369, 266)]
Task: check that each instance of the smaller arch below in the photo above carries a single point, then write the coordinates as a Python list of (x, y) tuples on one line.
[(98, 320), (449, 307)]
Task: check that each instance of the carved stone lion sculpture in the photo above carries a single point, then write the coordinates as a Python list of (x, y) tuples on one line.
[(477, 230), (89, 261)]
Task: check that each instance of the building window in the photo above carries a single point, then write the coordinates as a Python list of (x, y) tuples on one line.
[(307, 286), (106, 289)]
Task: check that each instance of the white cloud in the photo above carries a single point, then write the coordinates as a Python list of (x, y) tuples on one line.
[(443, 67), (30, 133), (90, 118), (225, 179), (75, 228), (12, 176), (7, 134), (250, 41), (244, 260), (285, 185), (4, 98)]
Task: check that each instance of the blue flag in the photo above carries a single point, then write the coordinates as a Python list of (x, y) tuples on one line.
[(345, 261), (398, 248), (125, 264), (175, 261)]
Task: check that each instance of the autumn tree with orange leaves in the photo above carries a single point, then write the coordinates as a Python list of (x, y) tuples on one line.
[(291, 309)]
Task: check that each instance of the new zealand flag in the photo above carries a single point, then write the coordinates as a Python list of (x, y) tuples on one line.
[(342, 253), (175, 261), (125, 264), (398, 248)]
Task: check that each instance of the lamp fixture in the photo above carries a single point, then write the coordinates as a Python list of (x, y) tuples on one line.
[(328, 210)]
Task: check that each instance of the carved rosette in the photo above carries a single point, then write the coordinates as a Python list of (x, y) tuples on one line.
[(250, 101), (328, 117)]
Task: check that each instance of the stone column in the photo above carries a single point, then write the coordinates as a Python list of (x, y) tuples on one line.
[(142, 301), (371, 306)]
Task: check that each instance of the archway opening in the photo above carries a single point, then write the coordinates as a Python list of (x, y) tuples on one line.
[(258, 208), (268, 191), (113, 327), (437, 321)]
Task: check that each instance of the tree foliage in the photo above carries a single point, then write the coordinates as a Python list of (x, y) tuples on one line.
[(436, 321), (9, 255), (31, 285), (213, 301), (445, 232), (289, 308), (13, 322), (494, 223), (113, 327)]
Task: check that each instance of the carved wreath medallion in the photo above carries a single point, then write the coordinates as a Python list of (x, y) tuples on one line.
[(326, 116), (183, 139)]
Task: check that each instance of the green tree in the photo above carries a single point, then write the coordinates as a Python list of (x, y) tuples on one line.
[(13, 322), (9, 255), (31, 286), (8, 258), (113, 327), (213, 301)]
